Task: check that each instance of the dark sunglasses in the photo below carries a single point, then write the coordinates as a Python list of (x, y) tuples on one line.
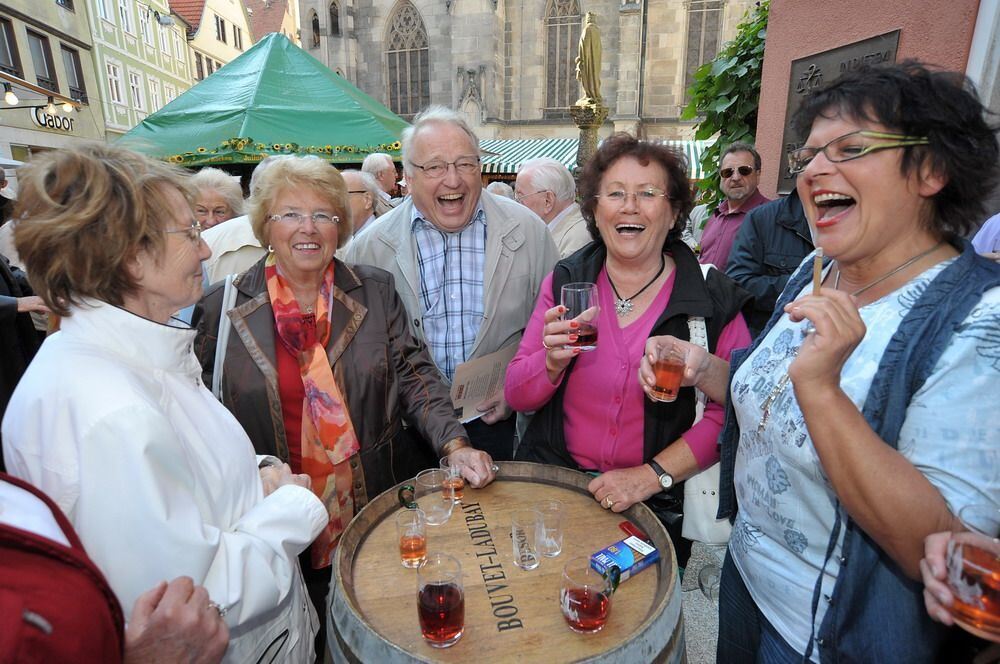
[(727, 173)]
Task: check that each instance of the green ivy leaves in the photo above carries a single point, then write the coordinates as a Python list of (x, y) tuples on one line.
[(725, 94)]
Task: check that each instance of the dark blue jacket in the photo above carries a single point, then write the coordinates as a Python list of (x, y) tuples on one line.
[(772, 241), (876, 613)]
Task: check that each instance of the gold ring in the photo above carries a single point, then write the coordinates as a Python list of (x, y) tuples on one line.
[(607, 503), (546, 346)]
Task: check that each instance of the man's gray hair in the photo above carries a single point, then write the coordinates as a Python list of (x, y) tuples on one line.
[(435, 114), (500, 189), (377, 162), (368, 181), (548, 174), (224, 184)]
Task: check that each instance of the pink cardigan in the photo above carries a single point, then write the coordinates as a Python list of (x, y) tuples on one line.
[(603, 416)]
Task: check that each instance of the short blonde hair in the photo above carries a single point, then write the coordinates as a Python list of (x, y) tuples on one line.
[(228, 186), (83, 213), (309, 172)]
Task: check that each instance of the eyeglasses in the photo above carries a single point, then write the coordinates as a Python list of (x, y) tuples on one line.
[(357, 191), (644, 197), (297, 218), (193, 231), (523, 196), (438, 169), (727, 173), (848, 147)]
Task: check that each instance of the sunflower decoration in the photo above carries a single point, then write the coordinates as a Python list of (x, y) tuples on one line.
[(396, 146)]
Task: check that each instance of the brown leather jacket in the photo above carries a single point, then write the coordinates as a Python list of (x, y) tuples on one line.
[(382, 371)]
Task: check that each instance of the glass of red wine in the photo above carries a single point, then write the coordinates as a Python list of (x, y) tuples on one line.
[(580, 300), (440, 600), (585, 597), (974, 571)]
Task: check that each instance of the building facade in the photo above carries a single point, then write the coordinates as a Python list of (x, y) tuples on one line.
[(509, 65), (46, 50), (140, 56), (218, 32), (267, 16)]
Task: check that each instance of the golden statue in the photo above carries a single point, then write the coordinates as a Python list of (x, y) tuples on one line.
[(588, 62)]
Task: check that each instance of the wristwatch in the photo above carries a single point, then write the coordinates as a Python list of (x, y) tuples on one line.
[(666, 479)]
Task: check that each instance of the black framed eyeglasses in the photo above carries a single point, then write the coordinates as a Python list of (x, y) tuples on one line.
[(193, 231), (727, 173), (850, 146)]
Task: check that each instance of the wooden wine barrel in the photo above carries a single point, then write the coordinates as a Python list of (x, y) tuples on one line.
[(510, 614)]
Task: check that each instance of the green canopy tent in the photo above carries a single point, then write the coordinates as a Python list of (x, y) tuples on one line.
[(274, 99)]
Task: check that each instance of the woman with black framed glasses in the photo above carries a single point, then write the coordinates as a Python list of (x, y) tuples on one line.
[(864, 415)]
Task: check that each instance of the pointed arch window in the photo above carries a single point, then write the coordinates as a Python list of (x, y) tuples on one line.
[(334, 19), (703, 34), (562, 31), (406, 61), (314, 20)]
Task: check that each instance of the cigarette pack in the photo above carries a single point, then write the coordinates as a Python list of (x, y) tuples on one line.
[(630, 555)]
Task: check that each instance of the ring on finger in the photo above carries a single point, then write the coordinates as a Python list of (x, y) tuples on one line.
[(607, 503), (546, 346), (222, 611)]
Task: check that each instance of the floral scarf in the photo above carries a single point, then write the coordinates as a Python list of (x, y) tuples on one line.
[(328, 438)]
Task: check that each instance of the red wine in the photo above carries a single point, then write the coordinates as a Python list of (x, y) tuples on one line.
[(585, 609), (441, 609), (586, 337)]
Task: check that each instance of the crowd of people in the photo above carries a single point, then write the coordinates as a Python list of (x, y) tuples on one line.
[(215, 407)]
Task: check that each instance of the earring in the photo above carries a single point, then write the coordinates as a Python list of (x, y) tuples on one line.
[(270, 249)]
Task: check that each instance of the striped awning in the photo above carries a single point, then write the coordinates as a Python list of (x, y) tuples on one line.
[(505, 155)]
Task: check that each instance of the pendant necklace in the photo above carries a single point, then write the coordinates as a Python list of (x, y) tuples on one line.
[(836, 282), (623, 305), (780, 386)]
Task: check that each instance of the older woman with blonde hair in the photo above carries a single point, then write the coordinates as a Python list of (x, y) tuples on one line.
[(218, 198), (321, 368), (111, 418)]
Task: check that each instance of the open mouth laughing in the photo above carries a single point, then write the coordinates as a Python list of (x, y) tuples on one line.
[(629, 229), (831, 205)]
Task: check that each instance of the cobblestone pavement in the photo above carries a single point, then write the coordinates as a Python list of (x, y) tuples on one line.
[(701, 615)]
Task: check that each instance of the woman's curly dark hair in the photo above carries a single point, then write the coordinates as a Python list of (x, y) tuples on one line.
[(912, 99), (625, 145)]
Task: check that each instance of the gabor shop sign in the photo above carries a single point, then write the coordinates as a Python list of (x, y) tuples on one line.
[(57, 122)]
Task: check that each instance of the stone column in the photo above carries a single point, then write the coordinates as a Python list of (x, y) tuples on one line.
[(589, 118)]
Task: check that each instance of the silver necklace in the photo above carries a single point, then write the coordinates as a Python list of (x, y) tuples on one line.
[(836, 282), (780, 386), (623, 305)]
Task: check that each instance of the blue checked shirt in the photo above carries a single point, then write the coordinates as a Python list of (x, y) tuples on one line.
[(451, 287)]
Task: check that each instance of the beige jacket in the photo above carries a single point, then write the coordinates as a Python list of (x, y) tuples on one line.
[(519, 253), (570, 232)]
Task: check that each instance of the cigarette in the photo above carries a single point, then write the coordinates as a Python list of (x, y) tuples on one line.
[(817, 270)]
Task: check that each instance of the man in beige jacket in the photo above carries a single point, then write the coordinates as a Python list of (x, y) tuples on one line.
[(467, 264), (547, 188)]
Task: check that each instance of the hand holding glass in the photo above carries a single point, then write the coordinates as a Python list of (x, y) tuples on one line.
[(580, 300), (668, 370), (974, 571)]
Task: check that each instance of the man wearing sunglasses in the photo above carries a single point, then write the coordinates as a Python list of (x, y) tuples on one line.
[(739, 172)]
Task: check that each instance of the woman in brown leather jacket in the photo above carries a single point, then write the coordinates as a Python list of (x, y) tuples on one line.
[(320, 367)]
